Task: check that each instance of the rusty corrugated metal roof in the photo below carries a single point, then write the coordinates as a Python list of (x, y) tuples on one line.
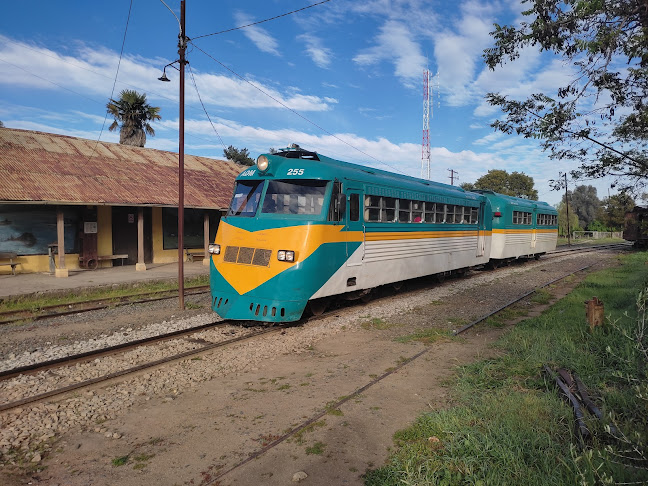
[(44, 167)]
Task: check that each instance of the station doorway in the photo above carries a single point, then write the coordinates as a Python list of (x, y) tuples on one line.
[(124, 233)]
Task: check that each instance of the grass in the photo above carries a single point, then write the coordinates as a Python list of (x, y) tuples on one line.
[(317, 448), (35, 303), (120, 461), (426, 336), (589, 241), (509, 425)]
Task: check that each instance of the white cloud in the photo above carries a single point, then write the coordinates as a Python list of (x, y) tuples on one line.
[(395, 43), (259, 36), (320, 55), (89, 73)]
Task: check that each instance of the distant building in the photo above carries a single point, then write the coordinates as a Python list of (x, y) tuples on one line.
[(109, 203)]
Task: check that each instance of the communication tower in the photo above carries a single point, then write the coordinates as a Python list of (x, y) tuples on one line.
[(425, 158)]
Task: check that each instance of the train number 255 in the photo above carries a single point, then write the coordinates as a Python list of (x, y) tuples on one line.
[(295, 172)]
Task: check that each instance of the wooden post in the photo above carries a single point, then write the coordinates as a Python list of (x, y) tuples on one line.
[(595, 313), (61, 271), (206, 238), (140, 266)]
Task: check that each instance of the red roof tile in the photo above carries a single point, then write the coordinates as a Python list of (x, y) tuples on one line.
[(44, 167)]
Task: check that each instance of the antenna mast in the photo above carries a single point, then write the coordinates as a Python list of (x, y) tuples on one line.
[(425, 157)]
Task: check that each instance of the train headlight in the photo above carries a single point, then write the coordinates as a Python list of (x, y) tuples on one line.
[(214, 249), (262, 163), (286, 256)]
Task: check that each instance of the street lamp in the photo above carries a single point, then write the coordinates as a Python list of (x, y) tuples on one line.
[(182, 47)]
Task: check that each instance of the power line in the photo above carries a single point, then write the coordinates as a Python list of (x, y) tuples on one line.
[(112, 92), (294, 111), (204, 109), (261, 21)]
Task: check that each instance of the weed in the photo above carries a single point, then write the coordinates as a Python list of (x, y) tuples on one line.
[(285, 386), (120, 461), (427, 336), (317, 449), (299, 436), (541, 296)]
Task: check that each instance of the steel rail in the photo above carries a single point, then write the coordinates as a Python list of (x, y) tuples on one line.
[(95, 353), (517, 299), (21, 315), (135, 369)]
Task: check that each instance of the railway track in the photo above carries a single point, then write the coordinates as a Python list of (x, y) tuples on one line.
[(58, 310), (90, 356)]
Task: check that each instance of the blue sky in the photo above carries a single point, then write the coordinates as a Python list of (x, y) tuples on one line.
[(344, 78)]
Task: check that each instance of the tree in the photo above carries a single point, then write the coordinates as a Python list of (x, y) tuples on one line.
[(562, 219), (1, 125), (615, 208), (516, 184), (241, 157), (600, 118), (585, 204), (132, 115)]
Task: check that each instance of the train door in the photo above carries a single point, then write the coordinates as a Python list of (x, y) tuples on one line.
[(481, 230), (354, 226)]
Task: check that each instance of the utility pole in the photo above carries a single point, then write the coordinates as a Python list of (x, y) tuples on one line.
[(182, 47), (567, 206), (452, 174)]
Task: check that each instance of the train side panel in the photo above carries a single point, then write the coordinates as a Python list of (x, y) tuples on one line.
[(521, 227)]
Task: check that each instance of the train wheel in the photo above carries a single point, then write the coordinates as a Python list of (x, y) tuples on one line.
[(440, 277), (366, 297), (493, 264), (317, 306), (397, 286), (92, 264)]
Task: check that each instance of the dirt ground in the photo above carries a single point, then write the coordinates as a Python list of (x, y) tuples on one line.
[(202, 436)]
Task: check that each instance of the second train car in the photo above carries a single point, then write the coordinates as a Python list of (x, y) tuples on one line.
[(302, 228)]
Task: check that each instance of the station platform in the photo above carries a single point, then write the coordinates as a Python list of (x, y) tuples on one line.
[(30, 283)]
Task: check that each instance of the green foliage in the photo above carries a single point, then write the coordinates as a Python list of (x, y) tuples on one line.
[(509, 425), (562, 220), (585, 204), (132, 114), (615, 208), (600, 117), (515, 184), (241, 157)]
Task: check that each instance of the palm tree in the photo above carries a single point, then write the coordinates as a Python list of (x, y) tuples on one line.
[(134, 113)]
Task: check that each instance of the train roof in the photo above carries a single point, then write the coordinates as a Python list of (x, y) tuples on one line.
[(496, 197), (329, 169)]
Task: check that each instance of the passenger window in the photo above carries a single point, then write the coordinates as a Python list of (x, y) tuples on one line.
[(354, 207)]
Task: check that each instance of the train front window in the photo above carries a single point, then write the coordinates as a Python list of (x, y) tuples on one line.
[(305, 197), (246, 198)]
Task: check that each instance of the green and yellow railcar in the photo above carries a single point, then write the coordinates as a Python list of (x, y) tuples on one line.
[(303, 228)]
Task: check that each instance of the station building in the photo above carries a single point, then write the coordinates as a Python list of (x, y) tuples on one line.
[(104, 203)]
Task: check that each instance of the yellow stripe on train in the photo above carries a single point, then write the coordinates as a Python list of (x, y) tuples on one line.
[(303, 240)]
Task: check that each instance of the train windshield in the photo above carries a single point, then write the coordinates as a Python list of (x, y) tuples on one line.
[(294, 197), (246, 198)]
